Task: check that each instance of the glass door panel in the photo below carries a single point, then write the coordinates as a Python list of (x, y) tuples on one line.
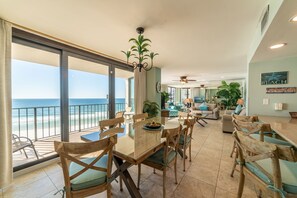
[(88, 96), (35, 101), (124, 90)]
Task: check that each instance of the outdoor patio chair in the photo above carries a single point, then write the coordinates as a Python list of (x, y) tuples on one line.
[(20, 143)]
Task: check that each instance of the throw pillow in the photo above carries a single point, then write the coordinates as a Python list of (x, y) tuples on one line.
[(238, 110), (203, 107)]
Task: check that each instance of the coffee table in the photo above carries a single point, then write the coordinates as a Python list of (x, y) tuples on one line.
[(200, 117)]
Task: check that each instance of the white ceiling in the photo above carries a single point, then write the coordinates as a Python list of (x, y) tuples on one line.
[(205, 40), (280, 31)]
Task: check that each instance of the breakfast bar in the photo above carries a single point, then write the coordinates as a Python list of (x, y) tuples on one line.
[(285, 127)]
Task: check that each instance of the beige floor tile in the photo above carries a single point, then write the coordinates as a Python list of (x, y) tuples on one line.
[(57, 179), (150, 189), (214, 153), (52, 194), (220, 193), (191, 187), (52, 169), (36, 188), (226, 164), (205, 174), (206, 161), (29, 177), (230, 184)]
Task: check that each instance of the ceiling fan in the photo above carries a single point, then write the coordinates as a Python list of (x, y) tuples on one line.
[(184, 79)]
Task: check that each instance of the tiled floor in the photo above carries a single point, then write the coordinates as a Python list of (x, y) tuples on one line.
[(208, 175)]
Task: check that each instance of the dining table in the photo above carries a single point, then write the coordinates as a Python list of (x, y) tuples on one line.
[(285, 127), (134, 145)]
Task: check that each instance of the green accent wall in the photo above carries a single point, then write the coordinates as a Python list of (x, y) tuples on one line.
[(257, 92), (152, 77)]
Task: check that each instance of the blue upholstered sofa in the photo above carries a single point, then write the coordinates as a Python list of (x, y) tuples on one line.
[(173, 109)]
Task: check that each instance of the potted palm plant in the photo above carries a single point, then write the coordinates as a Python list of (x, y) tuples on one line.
[(229, 94), (152, 108), (164, 98)]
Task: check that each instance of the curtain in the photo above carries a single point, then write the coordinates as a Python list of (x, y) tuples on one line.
[(5, 105), (139, 90)]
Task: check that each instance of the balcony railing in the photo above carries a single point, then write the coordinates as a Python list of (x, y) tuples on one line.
[(42, 122)]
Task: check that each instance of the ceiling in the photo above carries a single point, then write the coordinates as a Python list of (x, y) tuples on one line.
[(204, 40), (279, 31)]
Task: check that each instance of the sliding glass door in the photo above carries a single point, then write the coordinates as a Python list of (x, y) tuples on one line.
[(124, 90), (35, 102), (88, 95), (61, 93)]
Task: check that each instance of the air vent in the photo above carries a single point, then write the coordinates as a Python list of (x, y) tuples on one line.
[(264, 19)]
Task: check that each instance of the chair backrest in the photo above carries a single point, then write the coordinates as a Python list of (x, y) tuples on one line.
[(71, 152), (111, 123), (172, 140), (119, 114), (128, 109), (111, 132), (139, 117), (183, 115), (188, 130), (245, 118), (252, 150), (247, 127)]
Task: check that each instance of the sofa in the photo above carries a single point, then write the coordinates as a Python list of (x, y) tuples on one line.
[(212, 110), (227, 125), (173, 109)]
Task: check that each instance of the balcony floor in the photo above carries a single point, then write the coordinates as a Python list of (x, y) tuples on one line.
[(45, 147)]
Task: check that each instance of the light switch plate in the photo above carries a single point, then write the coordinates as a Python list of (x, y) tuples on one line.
[(265, 101)]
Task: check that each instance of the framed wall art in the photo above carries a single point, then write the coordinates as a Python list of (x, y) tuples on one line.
[(274, 78)]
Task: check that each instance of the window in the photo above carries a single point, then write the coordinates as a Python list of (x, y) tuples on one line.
[(171, 92)]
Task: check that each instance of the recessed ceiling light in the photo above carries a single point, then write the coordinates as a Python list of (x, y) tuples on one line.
[(278, 45), (293, 19)]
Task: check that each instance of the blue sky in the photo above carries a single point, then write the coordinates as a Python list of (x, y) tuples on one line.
[(32, 80)]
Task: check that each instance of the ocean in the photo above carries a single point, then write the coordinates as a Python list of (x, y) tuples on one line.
[(40, 118), (24, 103)]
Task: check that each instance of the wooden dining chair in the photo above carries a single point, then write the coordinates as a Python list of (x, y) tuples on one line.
[(246, 125), (165, 156), (119, 114), (183, 115), (255, 130), (139, 117), (85, 175), (271, 167), (111, 132), (111, 123), (185, 140)]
